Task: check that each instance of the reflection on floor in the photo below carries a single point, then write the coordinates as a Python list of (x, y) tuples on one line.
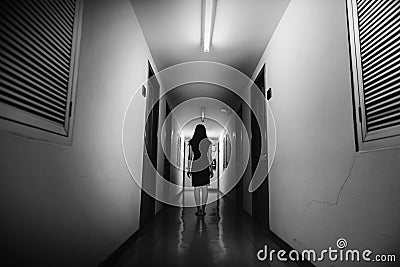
[(224, 237)]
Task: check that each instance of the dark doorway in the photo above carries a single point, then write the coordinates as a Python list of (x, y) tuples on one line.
[(167, 154), (184, 144), (260, 197), (147, 203), (218, 171), (239, 185)]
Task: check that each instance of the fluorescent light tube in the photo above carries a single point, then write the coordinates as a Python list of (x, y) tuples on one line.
[(208, 17)]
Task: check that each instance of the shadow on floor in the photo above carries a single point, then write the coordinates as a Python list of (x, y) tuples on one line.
[(223, 237)]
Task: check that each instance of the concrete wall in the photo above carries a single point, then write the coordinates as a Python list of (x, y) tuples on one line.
[(74, 205), (176, 173), (242, 148), (320, 188), (160, 152), (228, 175)]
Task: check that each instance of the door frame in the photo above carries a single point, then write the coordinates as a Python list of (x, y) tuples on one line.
[(239, 162), (147, 202), (260, 197)]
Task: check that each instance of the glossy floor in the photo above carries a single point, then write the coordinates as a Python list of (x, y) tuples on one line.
[(223, 237)]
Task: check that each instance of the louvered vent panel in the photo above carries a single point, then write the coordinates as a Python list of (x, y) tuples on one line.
[(35, 56), (379, 33)]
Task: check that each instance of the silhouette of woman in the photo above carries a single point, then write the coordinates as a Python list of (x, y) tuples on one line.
[(200, 169)]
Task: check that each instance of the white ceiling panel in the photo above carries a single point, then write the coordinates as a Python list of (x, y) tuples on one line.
[(242, 30)]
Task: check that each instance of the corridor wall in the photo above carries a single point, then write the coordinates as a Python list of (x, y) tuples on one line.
[(228, 175), (74, 205), (176, 157), (320, 188)]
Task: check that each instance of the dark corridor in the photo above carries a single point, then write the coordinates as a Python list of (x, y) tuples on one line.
[(226, 236)]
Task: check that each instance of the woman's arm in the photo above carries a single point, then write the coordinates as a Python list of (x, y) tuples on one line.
[(190, 162), (209, 154)]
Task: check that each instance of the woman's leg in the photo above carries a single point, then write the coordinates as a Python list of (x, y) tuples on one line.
[(197, 197), (204, 192)]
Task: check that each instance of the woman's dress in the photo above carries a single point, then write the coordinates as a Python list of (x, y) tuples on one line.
[(200, 166)]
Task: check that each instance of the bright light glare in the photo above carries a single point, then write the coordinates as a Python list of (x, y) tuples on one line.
[(207, 24)]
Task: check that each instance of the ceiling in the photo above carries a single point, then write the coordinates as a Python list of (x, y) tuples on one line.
[(242, 30), (214, 128), (188, 114), (204, 91), (186, 102)]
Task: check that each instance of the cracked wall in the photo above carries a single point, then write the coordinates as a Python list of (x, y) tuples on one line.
[(320, 188)]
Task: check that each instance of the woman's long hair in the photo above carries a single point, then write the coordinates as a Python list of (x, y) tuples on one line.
[(200, 134)]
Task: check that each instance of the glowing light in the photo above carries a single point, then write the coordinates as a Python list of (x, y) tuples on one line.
[(208, 23)]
